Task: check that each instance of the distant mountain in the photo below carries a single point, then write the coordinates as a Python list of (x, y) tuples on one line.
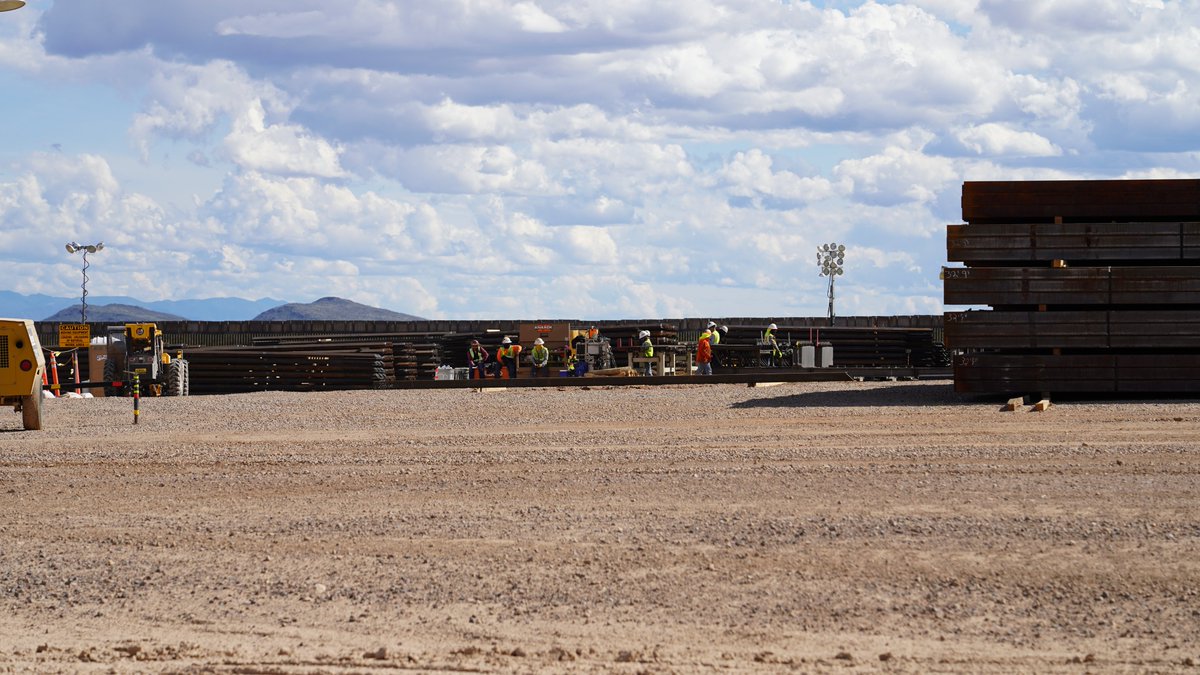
[(41, 307), (332, 309), (38, 306), (112, 313)]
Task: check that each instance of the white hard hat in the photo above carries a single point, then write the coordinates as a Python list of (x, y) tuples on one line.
[(644, 334), (773, 327), (725, 328), (712, 324), (538, 342), (507, 341)]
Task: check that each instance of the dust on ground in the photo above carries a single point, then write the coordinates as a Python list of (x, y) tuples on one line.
[(810, 527)]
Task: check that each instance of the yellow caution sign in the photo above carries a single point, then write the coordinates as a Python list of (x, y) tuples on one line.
[(74, 335)]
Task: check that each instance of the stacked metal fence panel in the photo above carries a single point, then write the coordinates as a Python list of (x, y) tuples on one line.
[(1093, 287)]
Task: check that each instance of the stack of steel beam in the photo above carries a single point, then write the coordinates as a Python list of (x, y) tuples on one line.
[(292, 367), (624, 338), (410, 355), (853, 346), (1093, 287)]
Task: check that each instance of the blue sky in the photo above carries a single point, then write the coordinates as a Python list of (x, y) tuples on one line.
[(544, 158)]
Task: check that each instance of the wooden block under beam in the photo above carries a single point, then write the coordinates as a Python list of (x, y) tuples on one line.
[(765, 384), (1042, 405), (1014, 403)]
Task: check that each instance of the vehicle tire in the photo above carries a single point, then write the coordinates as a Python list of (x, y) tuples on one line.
[(175, 381), (111, 375), (31, 411), (187, 378)]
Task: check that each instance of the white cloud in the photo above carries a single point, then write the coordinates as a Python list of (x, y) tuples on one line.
[(189, 102), (750, 174), (688, 155), (999, 139), (284, 149), (591, 245), (897, 175)]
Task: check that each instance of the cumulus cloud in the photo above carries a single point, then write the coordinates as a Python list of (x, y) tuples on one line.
[(897, 175), (284, 149), (999, 139), (687, 156)]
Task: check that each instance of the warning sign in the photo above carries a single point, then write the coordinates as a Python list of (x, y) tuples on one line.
[(74, 335)]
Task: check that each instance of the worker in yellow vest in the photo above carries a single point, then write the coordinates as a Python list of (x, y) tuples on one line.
[(539, 356), (476, 360), (776, 358), (647, 351)]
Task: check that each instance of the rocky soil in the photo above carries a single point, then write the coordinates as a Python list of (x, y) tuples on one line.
[(815, 527)]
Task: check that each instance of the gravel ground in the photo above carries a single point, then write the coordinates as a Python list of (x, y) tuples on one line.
[(810, 527)]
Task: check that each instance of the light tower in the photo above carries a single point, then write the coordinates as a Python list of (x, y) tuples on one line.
[(86, 248), (830, 258)]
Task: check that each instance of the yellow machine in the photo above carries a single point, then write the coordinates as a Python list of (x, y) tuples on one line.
[(137, 349), (21, 370)]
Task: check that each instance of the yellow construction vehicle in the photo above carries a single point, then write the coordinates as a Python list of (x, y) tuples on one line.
[(21, 369), (137, 349)]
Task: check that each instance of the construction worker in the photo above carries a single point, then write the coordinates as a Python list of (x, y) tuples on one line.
[(576, 364), (507, 356), (776, 358), (714, 339), (647, 351), (704, 353), (593, 333), (477, 356), (539, 356)]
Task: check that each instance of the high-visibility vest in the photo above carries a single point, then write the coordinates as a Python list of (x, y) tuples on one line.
[(716, 337), (704, 348), (541, 355), (768, 338), (648, 348), (477, 356)]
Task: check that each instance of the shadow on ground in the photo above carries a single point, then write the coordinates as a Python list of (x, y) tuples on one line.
[(942, 393), (921, 393)]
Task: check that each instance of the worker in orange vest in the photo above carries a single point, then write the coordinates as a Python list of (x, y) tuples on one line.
[(704, 353), (507, 355)]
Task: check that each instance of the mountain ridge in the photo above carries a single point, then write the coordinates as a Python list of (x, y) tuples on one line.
[(41, 307)]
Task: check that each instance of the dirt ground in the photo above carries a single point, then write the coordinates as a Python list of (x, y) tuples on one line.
[(814, 527)]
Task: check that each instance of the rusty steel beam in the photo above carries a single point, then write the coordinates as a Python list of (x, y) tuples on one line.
[(1073, 242), (1095, 200)]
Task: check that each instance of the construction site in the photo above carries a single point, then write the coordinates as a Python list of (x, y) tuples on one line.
[(1008, 487), (245, 356)]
